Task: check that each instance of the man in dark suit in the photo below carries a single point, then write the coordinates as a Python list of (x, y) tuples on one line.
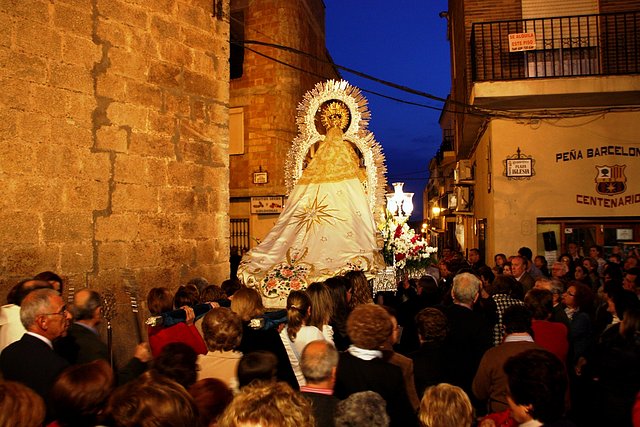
[(519, 269), (31, 360), (318, 364), (362, 368), (469, 335), (82, 343)]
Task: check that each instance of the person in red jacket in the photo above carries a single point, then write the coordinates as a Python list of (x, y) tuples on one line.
[(160, 300)]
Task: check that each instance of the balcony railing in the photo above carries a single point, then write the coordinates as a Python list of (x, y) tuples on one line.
[(586, 45)]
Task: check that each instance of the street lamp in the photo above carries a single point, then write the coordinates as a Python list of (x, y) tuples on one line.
[(399, 203)]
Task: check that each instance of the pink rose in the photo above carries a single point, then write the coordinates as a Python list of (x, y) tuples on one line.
[(271, 284), (295, 285), (286, 273)]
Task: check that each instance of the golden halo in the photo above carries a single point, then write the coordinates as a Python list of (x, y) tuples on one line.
[(335, 114)]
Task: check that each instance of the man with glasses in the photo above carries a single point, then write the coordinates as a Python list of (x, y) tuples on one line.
[(31, 360)]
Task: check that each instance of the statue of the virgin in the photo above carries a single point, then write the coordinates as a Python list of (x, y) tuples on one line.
[(327, 226)]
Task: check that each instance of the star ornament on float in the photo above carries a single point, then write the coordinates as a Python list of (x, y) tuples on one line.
[(316, 213)]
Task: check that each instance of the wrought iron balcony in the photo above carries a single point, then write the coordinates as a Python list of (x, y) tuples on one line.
[(586, 45)]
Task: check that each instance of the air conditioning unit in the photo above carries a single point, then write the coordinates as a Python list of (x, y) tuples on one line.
[(463, 173)]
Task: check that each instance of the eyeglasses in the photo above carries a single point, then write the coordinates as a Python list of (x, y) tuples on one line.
[(63, 312)]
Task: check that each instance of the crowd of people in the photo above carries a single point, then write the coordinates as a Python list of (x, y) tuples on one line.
[(515, 343)]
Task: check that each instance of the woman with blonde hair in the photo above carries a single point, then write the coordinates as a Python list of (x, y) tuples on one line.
[(359, 291), (246, 302), (268, 404), (297, 334), (321, 309), (445, 405)]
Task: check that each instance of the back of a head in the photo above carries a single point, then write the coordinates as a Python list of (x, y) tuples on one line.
[(432, 325), (613, 272), (486, 273), (466, 287), (526, 253), (159, 300), (177, 361), (624, 300), (369, 326), (20, 406), (429, 286), (517, 319), (338, 287), (540, 303), (503, 284), (212, 293), (257, 366), (361, 292), (211, 396), (298, 310), (52, 278), (151, 401), (85, 303), (268, 405), (81, 391), (222, 329), (186, 295), (552, 284), (230, 286), (24, 287), (445, 405), (318, 360), (321, 304), (199, 282), (362, 409), (247, 303), (537, 378)]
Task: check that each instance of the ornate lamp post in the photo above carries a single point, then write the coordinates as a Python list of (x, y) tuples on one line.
[(399, 203)]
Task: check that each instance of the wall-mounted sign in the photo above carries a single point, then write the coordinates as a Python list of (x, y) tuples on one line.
[(519, 166), (522, 41), (624, 234), (267, 204), (260, 177)]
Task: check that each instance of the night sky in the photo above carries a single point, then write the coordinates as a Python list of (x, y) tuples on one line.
[(403, 42)]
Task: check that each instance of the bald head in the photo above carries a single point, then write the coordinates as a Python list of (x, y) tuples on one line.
[(86, 303), (318, 362)]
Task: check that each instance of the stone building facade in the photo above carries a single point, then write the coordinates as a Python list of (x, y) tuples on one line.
[(540, 146), (264, 95), (114, 143)]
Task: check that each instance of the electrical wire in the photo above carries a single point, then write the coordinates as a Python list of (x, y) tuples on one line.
[(468, 109), (530, 115)]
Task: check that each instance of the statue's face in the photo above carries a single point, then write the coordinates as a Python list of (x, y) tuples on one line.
[(335, 120)]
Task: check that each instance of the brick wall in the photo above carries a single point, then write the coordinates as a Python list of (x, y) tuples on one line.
[(270, 92), (113, 142)]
